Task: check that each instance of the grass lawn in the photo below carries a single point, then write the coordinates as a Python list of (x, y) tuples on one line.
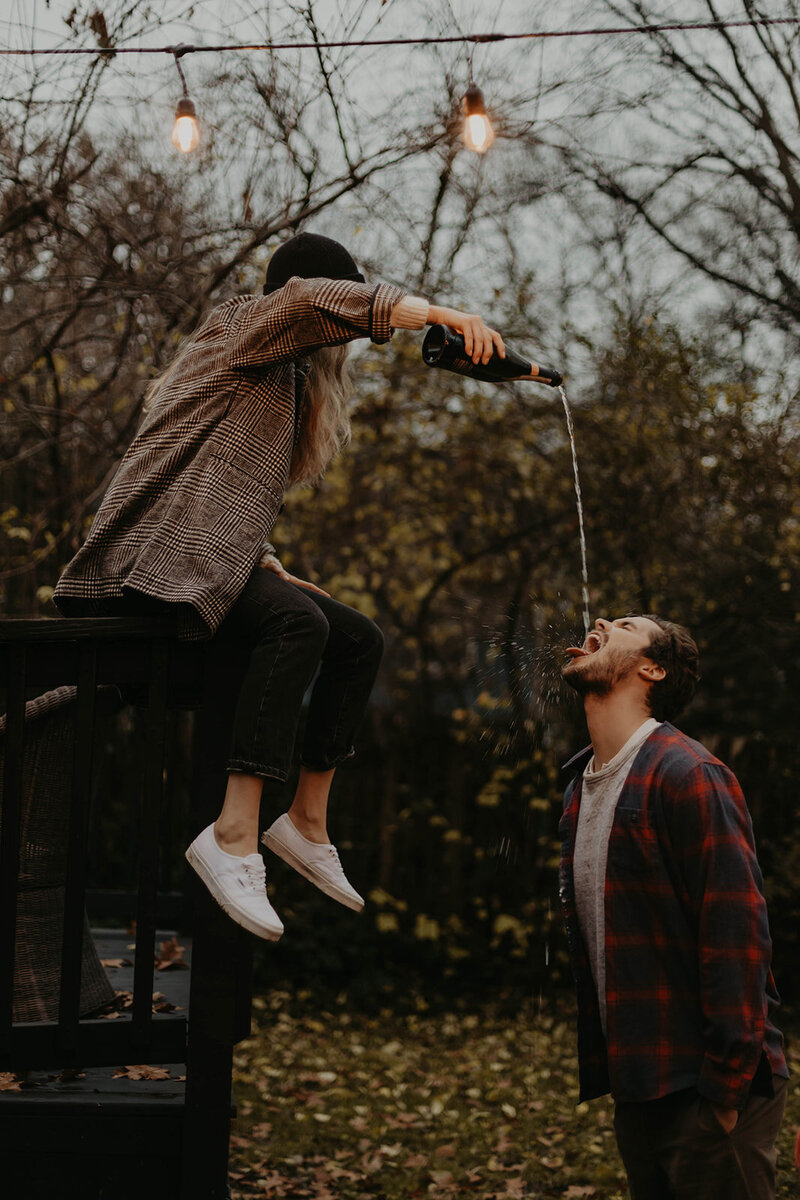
[(474, 1104)]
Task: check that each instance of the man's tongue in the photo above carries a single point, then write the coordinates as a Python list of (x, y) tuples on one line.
[(590, 646)]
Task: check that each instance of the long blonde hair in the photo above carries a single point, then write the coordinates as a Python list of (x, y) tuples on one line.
[(323, 422)]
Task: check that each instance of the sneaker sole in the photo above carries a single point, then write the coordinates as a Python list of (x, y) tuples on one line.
[(330, 889), (201, 867)]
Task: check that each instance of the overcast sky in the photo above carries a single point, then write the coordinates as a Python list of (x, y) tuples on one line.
[(559, 78)]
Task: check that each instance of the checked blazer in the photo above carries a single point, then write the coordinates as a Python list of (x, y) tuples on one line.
[(192, 502), (689, 990)]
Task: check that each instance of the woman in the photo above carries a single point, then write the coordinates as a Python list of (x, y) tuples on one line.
[(254, 403)]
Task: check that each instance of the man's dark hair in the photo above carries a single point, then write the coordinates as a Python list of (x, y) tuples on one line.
[(675, 650)]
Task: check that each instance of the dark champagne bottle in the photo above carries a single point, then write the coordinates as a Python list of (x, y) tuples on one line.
[(445, 348)]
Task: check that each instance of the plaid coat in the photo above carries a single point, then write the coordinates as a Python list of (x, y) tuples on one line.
[(689, 988), (188, 511)]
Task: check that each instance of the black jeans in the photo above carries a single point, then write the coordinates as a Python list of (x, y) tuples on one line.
[(282, 635)]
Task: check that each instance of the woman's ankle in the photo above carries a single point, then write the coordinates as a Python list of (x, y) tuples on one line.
[(310, 826), (236, 839)]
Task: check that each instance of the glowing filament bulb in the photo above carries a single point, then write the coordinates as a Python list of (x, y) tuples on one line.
[(478, 132), (185, 131)]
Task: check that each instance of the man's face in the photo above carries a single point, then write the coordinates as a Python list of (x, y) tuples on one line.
[(612, 651)]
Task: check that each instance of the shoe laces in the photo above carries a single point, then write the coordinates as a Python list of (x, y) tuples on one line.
[(333, 853), (254, 875)]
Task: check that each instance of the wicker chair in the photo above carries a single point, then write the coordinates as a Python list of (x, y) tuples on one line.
[(47, 769)]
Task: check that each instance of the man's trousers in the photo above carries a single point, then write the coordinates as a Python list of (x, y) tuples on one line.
[(675, 1148)]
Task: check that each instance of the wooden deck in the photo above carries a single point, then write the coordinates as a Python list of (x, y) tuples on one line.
[(73, 1129), (114, 1130)]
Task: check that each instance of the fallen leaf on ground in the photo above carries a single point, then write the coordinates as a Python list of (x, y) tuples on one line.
[(141, 1072), (339, 1173), (416, 1160), (170, 956), (162, 1005)]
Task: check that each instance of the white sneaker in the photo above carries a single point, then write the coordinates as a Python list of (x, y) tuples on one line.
[(319, 862), (239, 885)]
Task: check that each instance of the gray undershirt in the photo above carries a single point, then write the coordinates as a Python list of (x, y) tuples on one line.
[(599, 795)]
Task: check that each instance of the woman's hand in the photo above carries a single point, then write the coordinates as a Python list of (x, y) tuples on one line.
[(303, 583), (271, 563), (480, 341)]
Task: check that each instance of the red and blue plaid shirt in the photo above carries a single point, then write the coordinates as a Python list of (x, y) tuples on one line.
[(689, 988)]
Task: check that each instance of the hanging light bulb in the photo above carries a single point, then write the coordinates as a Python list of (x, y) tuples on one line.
[(478, 132), (185, 131)]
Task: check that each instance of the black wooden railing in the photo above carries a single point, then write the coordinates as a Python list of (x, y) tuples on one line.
[(141, 657)]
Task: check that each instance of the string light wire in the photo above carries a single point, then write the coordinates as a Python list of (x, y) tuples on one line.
[(474, 38), (185, 131)]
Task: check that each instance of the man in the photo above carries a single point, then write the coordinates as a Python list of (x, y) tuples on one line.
[(667, 929)]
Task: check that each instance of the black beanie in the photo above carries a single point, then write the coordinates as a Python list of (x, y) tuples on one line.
[(310, 256)]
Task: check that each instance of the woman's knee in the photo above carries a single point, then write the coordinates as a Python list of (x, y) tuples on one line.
[(295, 616), (370, 638), (378, 639), (304, 620), (313, 624)]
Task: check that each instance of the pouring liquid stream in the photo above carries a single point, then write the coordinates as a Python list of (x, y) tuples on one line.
[(579, 504)]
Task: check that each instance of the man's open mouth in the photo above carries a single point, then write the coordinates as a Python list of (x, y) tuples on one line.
[(591, 645)]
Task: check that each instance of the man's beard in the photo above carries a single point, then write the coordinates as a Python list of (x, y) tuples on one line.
[(598, 674)]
